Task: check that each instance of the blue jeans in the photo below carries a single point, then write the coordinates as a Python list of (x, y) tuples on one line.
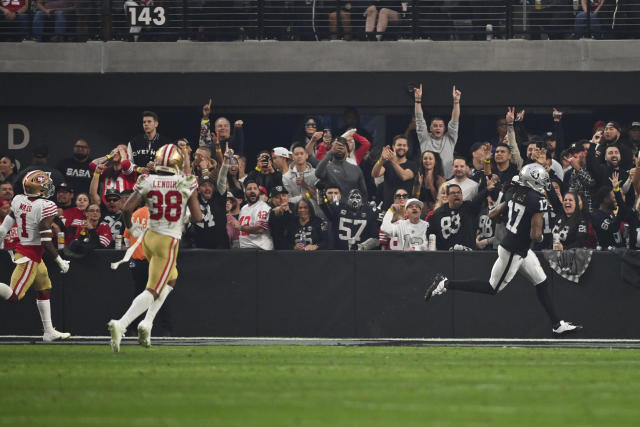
[(39, 20), (581, 25)]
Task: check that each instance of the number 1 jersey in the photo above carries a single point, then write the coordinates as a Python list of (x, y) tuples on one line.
[(166, 197)]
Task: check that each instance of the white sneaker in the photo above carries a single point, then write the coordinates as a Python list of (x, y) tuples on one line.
[(54, 335), (144, 334), (436, 288), (564, 328), (117, 332)]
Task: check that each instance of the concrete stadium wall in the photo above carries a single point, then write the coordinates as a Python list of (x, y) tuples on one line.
[(332, 294)]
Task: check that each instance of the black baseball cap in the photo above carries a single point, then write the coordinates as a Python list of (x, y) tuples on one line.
[(63, 186), (111, 193), (576, 147), (40, 151), (278, 189)]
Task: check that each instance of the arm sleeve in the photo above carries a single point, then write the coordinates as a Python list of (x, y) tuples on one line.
[(321, 152), (237, 140), (127, 167), (361, 151), (205, 134), (222, 179), (452, 130), (387, 226), (423, 132), (516, 158)]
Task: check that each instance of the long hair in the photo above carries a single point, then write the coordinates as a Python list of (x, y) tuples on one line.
[(312, 212), (438, 172), (578, 214)]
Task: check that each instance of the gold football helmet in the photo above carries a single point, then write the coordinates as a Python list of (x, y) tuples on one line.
[(38, 184), (169, 159)]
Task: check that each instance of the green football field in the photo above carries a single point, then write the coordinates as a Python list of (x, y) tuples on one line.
[(80, 385)]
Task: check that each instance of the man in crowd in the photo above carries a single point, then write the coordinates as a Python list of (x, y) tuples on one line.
[(300, 179), (265, 174), (606, 222), (40, 161), (6, 191), (142, 148), (253, 222), (411, 232), (439, 137), (578, 179), (75, 169), (454, 223), (398, 171), (504, 168), (282, 220), (611, 136), (111, 172), (461, 179), (480, 160), (222, 128), (211, 232), (354, 224), (112, 212), (334, 170)]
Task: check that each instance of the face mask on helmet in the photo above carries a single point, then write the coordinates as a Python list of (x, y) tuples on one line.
[(355, 199), (38, 184), (169, 159), (535, 177)]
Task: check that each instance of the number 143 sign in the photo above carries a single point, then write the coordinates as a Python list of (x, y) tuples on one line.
[(147, 15)]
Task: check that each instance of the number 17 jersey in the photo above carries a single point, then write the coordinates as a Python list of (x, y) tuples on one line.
[(166, 197), (521, 206)]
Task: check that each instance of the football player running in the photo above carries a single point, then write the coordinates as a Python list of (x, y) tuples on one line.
[(34, 214), (166, 193), (525, 209)]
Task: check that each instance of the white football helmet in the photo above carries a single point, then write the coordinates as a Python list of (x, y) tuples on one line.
[(535, 177)]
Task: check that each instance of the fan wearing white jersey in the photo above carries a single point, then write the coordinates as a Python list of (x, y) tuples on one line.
[(34, 214), (166, 193), (253, 222), (411, 233)]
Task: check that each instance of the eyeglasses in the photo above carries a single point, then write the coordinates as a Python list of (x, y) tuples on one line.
[(401, 196), (112, 200), (93, 210), (451, 193), (310, 125)]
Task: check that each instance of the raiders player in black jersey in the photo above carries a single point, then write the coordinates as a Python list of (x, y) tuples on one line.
[(525, 208), (354, 223)]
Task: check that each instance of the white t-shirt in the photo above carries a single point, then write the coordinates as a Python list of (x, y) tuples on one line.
[(29, 212), (166, 196), (469, 188), (404, 234), (251, 216)]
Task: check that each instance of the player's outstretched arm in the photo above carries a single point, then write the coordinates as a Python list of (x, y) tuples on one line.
[(130, 207)]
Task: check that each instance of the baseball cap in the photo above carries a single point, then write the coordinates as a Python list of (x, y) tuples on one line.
[(230, 195), (204, 178), (549, 136), (278, 189), (282, 152), (111, 193), (63, 186), (413, 202), (576, 147), (614, 125), (635, 124), (476, 146)]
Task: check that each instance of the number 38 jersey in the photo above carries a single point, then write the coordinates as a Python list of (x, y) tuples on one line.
[(29, 212), (166, 197), (521, 206)]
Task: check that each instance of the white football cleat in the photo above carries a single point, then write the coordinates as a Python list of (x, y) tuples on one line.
[(564, 328), (117, 332), (54, 335), (144, 334)]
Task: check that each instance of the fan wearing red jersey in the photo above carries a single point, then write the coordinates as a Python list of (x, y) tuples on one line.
[(33, 213), (166, 193)]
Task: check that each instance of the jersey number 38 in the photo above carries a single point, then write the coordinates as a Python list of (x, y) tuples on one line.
[(168, 206)]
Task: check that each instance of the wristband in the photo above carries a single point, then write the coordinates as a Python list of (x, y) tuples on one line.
[(391, 210), (138, 169), (218, 150), (616, 189), (59, 260), (205, 120), (108, 157), (379, 161), (45, 239), (307, 195), (96, 174), (487, 161), (205, 170)]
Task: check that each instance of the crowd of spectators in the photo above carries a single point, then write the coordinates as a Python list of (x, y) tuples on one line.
[(330, 189), (209, 20)]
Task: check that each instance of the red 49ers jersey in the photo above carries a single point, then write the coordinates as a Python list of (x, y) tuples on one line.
[(29, 212), (166, 197)]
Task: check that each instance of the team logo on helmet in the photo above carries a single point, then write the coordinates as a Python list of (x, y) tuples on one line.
[(38, 184), (169, 159)]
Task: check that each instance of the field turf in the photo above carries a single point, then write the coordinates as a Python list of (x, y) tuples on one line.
[(317, 386)]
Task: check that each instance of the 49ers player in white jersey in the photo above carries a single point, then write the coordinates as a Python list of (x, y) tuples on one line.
[(34, 214), (166, 193)]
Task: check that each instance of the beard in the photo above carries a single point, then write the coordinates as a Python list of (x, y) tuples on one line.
[(79, 156)]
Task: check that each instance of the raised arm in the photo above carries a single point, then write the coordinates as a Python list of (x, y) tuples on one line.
[(95, 184), (455, 112), (516, 158)]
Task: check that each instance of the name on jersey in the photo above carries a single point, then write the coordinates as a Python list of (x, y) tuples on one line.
[(25, 207), (80, 173), (165, 184)]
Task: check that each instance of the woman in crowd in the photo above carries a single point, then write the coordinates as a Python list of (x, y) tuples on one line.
[(311, 233), (94, 234), (8, 169), (233, 178), (442, 199), (571, 226), (428, 180)]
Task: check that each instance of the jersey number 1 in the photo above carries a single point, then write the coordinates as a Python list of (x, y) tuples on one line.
[(168, 206)]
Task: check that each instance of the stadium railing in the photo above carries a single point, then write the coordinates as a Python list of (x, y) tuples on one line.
[(229, 20)]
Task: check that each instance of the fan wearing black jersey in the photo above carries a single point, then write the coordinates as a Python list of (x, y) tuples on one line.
[(354, 223), (525, 209)]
